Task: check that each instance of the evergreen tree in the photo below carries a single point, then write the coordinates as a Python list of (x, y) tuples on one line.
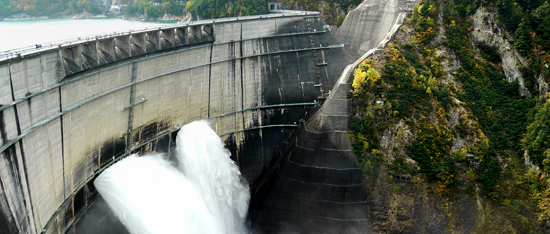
[(542, 19), (537, 139), (522, 42)]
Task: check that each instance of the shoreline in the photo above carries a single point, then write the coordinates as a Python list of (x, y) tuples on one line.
[(86, 15)]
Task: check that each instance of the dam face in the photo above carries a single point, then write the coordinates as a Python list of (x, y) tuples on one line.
[(69, 111), (368, 24)]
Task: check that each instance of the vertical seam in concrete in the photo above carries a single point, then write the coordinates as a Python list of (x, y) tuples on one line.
[(3, 133), (24, 162), (241, 71), (131, 106), (242, 88), (233, 69), (210, 78), (22, 152), (14, 106), (9, 206), (62, 141), (4, 141), (262, 153)]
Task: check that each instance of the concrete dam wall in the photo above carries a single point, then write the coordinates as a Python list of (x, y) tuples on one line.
[(69, 111), (368, 24)]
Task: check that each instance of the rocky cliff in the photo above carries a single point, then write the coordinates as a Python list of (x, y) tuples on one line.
[(437, 121), (487, 31)]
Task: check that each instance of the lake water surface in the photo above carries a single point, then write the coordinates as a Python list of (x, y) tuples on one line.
[(25, 34)]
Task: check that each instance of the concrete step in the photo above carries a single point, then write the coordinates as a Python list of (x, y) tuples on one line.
[(332, 210), (354, 193), (328, 123), (281, 221), (335, 159), (323, 175), (337, 107)]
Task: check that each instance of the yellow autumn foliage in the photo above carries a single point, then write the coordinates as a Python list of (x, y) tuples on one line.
[(364, 76)]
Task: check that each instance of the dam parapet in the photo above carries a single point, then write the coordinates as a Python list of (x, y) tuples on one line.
[(205, 26)]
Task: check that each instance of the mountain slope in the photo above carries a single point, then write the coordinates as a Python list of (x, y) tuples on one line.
[(443, 122)]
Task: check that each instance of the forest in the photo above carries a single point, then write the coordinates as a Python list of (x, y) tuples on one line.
[(204, 9), (201, 9), (333, 11), (50, 8), (209, 9)]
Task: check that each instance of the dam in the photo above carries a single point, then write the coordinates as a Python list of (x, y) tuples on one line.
[(70, 110)]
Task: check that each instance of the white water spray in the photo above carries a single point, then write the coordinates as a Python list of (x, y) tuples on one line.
[(204, 194)]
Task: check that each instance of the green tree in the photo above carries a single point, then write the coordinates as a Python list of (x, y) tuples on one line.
[(167, 8), (522, 42), (432, 84), (130, 9), (537, 139), (542, 19), (340, 19), (153, 12)]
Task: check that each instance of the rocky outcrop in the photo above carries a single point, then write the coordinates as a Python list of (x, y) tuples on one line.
[(398, 206), (543, 87), (86, 15), (487, 32), (168, 17), (396, 136)]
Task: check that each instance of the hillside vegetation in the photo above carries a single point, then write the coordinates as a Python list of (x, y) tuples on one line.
[(204, 9), (47, 7), (201, 9), (210, 9), (332, 11), (437, 109)]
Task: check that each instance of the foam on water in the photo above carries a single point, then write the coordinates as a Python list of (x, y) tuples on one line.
[(203, 194)]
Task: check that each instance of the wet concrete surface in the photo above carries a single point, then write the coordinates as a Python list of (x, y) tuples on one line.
[(99, 219)]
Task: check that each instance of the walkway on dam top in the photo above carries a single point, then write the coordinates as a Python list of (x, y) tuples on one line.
[(46, 47)]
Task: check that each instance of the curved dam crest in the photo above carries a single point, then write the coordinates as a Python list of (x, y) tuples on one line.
[(69, 111)]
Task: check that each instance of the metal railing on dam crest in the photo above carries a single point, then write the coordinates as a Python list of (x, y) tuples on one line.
[(70, 109)]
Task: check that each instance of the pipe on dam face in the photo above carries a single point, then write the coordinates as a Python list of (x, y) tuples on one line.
[(66, 112)]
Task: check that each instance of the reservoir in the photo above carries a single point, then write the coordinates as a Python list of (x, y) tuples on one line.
[(29, 33)]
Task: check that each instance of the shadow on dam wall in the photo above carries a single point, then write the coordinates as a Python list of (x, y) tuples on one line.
[(64, 118)]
